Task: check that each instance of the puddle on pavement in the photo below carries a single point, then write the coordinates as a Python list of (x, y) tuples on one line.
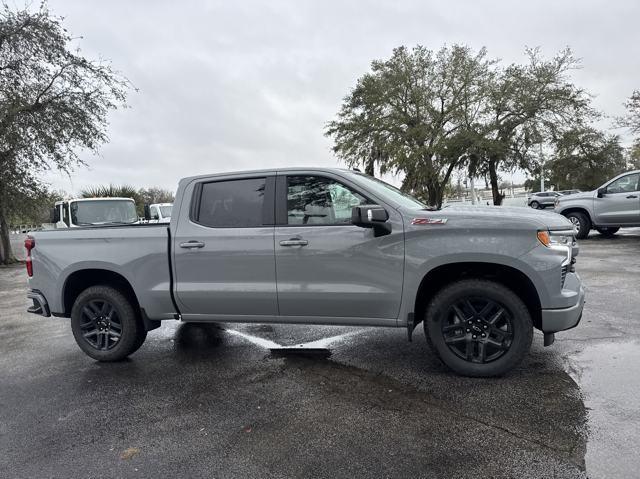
[(608, 377)]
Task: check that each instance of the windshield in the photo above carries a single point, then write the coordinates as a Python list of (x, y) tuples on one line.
[(388, 191), (165, 211), (103, 212)]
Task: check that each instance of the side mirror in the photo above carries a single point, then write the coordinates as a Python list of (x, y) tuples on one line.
[(147, 212), (371, 216), (601, 192)]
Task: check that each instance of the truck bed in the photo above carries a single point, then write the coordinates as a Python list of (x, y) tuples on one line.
[(139, 253)]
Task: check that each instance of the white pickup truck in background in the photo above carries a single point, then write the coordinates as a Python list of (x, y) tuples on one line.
[(160, 212), (79, 212)]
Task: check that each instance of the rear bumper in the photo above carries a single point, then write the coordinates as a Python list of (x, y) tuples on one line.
[(554, 320), (40, 305)]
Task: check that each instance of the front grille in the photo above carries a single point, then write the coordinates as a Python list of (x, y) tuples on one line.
[(563, 275)]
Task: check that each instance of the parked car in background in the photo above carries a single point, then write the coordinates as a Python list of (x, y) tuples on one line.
[(543, 199), (316, 246), (614, 205), (80, 212), (160, 212)]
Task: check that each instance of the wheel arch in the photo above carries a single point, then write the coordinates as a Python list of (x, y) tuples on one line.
[(514, 279), (577, 209), (82, 279)]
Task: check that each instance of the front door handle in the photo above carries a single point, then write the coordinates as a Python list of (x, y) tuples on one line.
[(192, 244), (294, 242), (632, 196)]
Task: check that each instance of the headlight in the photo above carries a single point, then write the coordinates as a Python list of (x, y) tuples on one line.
[(560, 241), (556, 238), (556, 202)]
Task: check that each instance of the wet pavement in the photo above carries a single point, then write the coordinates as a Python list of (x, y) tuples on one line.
[(228, 401)]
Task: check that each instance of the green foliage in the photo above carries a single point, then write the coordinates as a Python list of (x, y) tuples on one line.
[(585, 158), (155, 195), (426, 114), (634, 156), (528, 105), (407, 114), (141, 197), (632, 119), (53, 102)]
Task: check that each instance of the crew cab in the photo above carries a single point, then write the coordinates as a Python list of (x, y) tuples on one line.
[(316, 246), (614, 205)]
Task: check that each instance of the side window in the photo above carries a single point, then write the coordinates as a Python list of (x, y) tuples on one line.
[(232, 203), (318, 200), (154, 213), (625, 184)]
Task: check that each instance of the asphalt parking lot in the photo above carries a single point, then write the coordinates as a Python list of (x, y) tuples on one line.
[(212, 401)]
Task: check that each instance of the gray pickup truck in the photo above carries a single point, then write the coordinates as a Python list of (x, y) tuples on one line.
[(316, 246), (614, 205)]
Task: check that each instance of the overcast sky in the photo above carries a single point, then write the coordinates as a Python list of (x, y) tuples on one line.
[(236, 85)]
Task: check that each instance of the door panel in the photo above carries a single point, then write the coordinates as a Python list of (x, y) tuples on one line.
[(342, 271), (327, 267), (224, 262), (620, 205)]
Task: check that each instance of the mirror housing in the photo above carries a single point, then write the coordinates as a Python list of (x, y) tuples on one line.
[(371, 216), (601, 192)]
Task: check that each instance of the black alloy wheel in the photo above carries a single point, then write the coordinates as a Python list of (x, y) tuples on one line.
[(478, 327), (478, 330), (100, 325), (106, 323)]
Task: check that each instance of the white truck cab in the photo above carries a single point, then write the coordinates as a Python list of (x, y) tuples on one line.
[(160, 212), (79, 212)]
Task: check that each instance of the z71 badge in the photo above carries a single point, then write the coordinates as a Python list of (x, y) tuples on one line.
[(428, 221)]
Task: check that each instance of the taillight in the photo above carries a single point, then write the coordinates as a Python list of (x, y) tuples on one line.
[(29, 244)]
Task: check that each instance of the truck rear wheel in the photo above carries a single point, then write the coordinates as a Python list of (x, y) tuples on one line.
[(478, 328), (105, 324), (608, 232)]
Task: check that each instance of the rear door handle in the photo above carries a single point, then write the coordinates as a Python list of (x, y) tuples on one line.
[(294, 242), (192, 244), (632, 196)]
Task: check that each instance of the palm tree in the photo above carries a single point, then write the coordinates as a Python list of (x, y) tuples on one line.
[(114, 191)]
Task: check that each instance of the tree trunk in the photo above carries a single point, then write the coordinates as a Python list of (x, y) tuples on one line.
[(493, 177), (6, 254), (435, 193), (369, 167)]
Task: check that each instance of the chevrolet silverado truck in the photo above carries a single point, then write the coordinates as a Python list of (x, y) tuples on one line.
[(316, 246), (614, 205)]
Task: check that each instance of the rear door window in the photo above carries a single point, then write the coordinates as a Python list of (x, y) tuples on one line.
[(232, 203)]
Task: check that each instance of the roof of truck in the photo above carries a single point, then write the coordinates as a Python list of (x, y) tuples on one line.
[(93, 199), (269, 170)]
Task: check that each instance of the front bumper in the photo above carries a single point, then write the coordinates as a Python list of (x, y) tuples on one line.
[(40, 305), (554, 320)]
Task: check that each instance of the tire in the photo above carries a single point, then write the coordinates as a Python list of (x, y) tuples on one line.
[(607, 232), (507, 339), (535, 205), (105, 324), (582, 222)]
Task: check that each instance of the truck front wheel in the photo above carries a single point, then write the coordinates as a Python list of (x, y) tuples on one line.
[(105, 324), (581, 222), (478, 327)]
